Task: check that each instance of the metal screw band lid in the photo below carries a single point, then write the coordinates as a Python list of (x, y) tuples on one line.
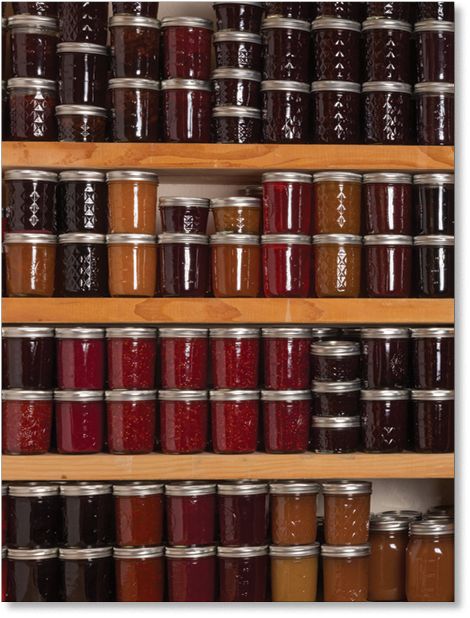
[(433, 179), (431, 527), (287, 395), (385, 333), (286, 333), (194, 22), (286, 177), (229, 238), (387, 178), (132, 82), (386, 87), (85, 488), (294, 487), (385, 395), (190, 488), (124, 553), (285, 22), (337, 177), (24, 238), (226, 36), (236, 111), (432, 395), (348, 488), (182, 332), (131, 239), (25, 174), (289, 239), (31, 490), (33, 83), (225, 394), (434, 25), (434, 241), (82, 48), (296, 551), (32, 554), (27, 332), (182, 395), (242, 488), (391, 240), (134, 20), (78, 238), (345, 551), (190, 552), (132, 332), (336, 422), (328, 85), (79, 333), (88, 553), (81, 110), (130, 395), (335, 23), (242, 552), (77, 395), (420, 333), (20, 394), (187, 202), (137, 488), (336, 387), (434, 88), (284, 85), (335, 348), (185, 84), (183, 239), (132, 175), (378, 23), (82, 176), (232, 73), (337, 239), (234, 333)]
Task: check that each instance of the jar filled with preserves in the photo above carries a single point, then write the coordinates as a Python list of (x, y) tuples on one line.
[(80, 358), (337, 265), (295, 10), (387, 50), (387, 576), (388, 203), (33, 514), (28, 357), (132, 263), (186, 47), (82, 265), (234, 420), (87, 574), (434, 266), (385, 420), (79, 419), (435, 50), (184, 265), (336, 49), (26, 421), (286, 420), (347, 512), (33, 575), (435, 10), (337, 199), (240, 215), (434, 204), (341, 10), (243, 573), (243, 16), (131, 421), (235, 358), (286, 358), (184, 421), (433, 421), (402, 11), (138, 511), (82, 196), (48, 9), (146, 9), (238, 50), (408, 514), (236, 87), (335, 361), (434, 113), (140, 574), (294, 512), (83, 21), (81, 123), (294, 573), (236, 265), (287, 265), (83, 74), (287, 203), (234, 124), (132, 354), (243, 508), (387, 113), (135, 45), (135, 110), (31, 109), (191, 574), (30, 201), (33, 40), (184, 357), (432, 353), (286, 112), (184, 215), (385, 357), (388, 265), (336, 398), (132, 202), (345, 572), (190, 513), (286, 49), (336, 434), (336, 112)]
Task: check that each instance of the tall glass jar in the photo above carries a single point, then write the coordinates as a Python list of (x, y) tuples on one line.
[(243, 573), (83, 21), (33, 575), (434, 113), (286, 420), (184, 265), (87, 574), (294, 573), (293, 512), (243, 513), (31, 107), (387, 50), (388, 264), (336, 112), (337, 265), (347, 512), (234, 124), (287, 203), (137, 190), (435, 50), (190, 513), (132, 260), (286, 113), (433, 421), (286, 358), (184, 421), (140, 574), (183, 360), (132, 354), (30, 202), (336, 49), (385, 420), (191, 574), (79, 421), (28, 357), (186, 108), (388, 203), (236, 265), (433, 358), (82, 265), (337, 199), (287, 265), (345, 572), (286, 47), (138, 511), (82, 197), (135, 110), (33, 515), (387, 113), (135, 45), (83, 74), (238, 50), (186, 48), (434, 199), (30, 264), (434, 266), (80, 358), (387, 575), (235, 358), (33, 46), (131, 421), (385, 357)]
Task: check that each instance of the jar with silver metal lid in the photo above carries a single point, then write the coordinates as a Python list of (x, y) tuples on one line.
[(385, 357), (184, 421), (33, 46), (336, 434), (337, 265), (434, 113), (27, 421), (287, 265), (87, 514), (30, 201), (434, 204), (131, 420), (234, 124), (287, 203), (137, 189), (88, 574), (186, 48), (347, 512), (387, 113), (234, 420), (140, 574), (80, 358), (336, 398), (283, 100), (239, 16), (286, 358), (82, 265), (433, 358), (435, 50), (294, 572), (286, 420), (388, 265), (27, 357), (335, 361), (385, 420), (33, 515), (191, 513), (33, 575), (82, 195), (30, 263), (132, 264), (235, 357), (433, 420), (184, 354), (81, 123), (184, 265), (243, 573), (238, 50), (434, 266), (135, 45), (336, 49), (243, 508), (388, 203), (346, 572), (188, 215), (135, 109), (408, 514), (83, 74), (320, 333), (186, 108), (236, 265), (240, 214), (131, 354), (286, 49), (76, 410), (139, 513), (336, 112), (337, 199), (31, 107), (388, 540), (387, 50), (191, 573), (236, 87)]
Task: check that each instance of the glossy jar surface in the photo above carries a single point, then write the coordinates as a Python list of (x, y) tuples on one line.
[(337, 199), (234, 420), (190, 513), (30, 264), (132, 354), (83, 74), (336, 398), (345, 573), (33, 41), (286, 49), (131, 421), (28, 357), (286, 358), (191, 574), (183, 360), (235, 358), (433, 421), (385, 420), (388, 265), (336, 112), (434, 113), (387, 50), (287, 203), (347, 512), (286, 112), (138, 511), (341, 10), (87, 574), (186, 46), (287, 265), (385, 357), (33, 514), (293, 512), (336, 49), (146, 9), (184, 215), (81, 123), (26, 422), (79, 418), (82, 196), (135, 45), (435, 10), (434, 266), (30, 201), (286, 420), (387, 575), (295, 10), (238, 50), (432, 352), (236, 125), (80, 358), (434, 204), (294, 573), (239, 16), (236, 265), (87, 515), (435, 51), (387, 113), (336, 434), (243, 513), (31, 109), (184, 421), (403, 11), (140, 574), (33, 575), (135, 110), (240, 215), (335, 361), (388, 203), (236, 87), (137, 190), (184, 265), (48, 9), (83, 21), (82, 265), (242, 574), (337, 265), (132, 263), (186, 108)]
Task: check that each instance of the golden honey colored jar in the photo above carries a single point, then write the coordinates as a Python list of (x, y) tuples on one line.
[(132, 264), (30, 264), (132, 202), (294, 573), (294, 512), (345, 572)]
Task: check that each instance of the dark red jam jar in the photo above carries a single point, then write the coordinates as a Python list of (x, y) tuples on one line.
[(135, 110), (341, 10), (403, 11), (387, 50), (80, 358), (236, 125), (435, 10), (287, 265), (26, 422), (336, 49), (243, 574), (33, 575), (30, 202), (191, 574), (82, 265), (184, 357), (287, 203), (33, 515), (131, 420), (146, 9), (433, 420), (434, 204), (81, 123), (286, 358), (336, 112), (385, 420), (241, 16), (49, 9), (433, 358), (135, 46), (184, 264), (336, 398), (83, 21), (31, 106), (139, 574), (435, 51), (83, 74), (434, 113), (388, 203), (138, 510), (184, 421), (286, 47), (238, 50), (295, 10), (385, 358), (186, 48), (132, 354), (87, 574), (235, 358), (186, 109), (286, 112), (28, 357), (33, 46), (234, 420), (387, 113), (82, 197), (388, 264), (236, 87), (335, 361), (184, 215), (80, 420), (336, 434), (286, 420), (434, 266), (243, 513), (190, 513)]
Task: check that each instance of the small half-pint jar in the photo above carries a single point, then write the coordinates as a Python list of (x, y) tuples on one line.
[(135, 47), (235, 357), (243, 573), (190, 513), (336, 49), (184, 421), (347, 512), (434, 266), (234, 124), (336, 398), (82, 265), (387, 50), (385, 357), (33, 40), (432, 353), (243, 508), (131, 419), (434, 204), (239, 215), (336, 112), (191, 574), (184, 265), (388, 203), (385, 420), (80, 357), (336, 434), (236, 265), (286, 420), (82, 197), (287, 203), (132, 202), (387, 113), (286, 358), (294, 572), (79, 418), (31, 109), (186, 47), (184, 215), (235, 420), (131, 354), (32, 574), (337, 265), (433, 421), (243, 16), (186, 110), (434, 113), (28, 357), (236, 87), (337, 199), (293, 512), (183, 358), (132, 260), (335, 361), (238, 50), (138, 511), (30, 264), (30, 201), (388, 265), (83, 74), (135, 109), (286, 112), (139, 573), (26, 422), (287, 265), (81, 123), (345, 572), (435, 50), (286, 47)]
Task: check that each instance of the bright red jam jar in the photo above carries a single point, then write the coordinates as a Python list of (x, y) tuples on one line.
[(81, 358), (235, 357), (79, 421), (191, 574), (286, 353), (243, 513), (184, 357), (138, 510), (190, 513), (186, 47), (132, 354), (140, 574), (287, 265), (26, 422), (243, 573), (286, 420), (388, 265), (187, 111), (235, 420), (287, 203), (184, 421), (131, 419)]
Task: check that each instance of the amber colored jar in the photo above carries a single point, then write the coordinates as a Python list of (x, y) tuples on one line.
[(83, 74), (336, 49), (146, 9), (435, 50), (294, 512), (337, 199), (243, 573), (82, 200), (132, 202), (140, 574), (184, 265), (337, 265), (388, 203), (385, 419), (82, 265), (135, 110), (238, 50), (286, 47), (387, 50), (433, 358), (30, 201), (138, 509), (430, 562), (387, 113), (294, 573), (433, 421), (434, 204), (336, 112), (186, 109), (434, 113), (286, 113), (132, 264), (30, 264), (242, 16), (236, 87), (240, 215), (135, 45), (236, 265), (33, 46), (186, 46), (345, 572), (287, 265), (347, 512), (81, 123), (434, 266), (388, 265), (234, 124), (31, 106), (385, 358), (387, 576), (83, 21)]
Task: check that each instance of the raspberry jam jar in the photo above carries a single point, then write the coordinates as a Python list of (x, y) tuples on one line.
[(347, 512), (286, 113), (336, 49), (336, 434), (82, 265), (235, 358), (434, 204), (186, 48), (33, 515), (237, 125), (236, 265), (131, 420), (30, 202), (132, 262), (345, 570), (286, 420), (146, 9), (138, 510), (287, 203), (33, 574), (387, 112), (236, 87), (139, 573), (286, 358), (80, 358), (184, 357), (387, 49), (335, 361), (294, 573), (33, 41), (191, 574), (435, 10), (80, 419), (433, 421), (135, 110), (243, 513), (184, 421), (82, 195), (190, 513), (30, 264), (26, 422), (132, 354), (434, 113), (387, 575), (135, 45), (83, 21), (434, 266), (337, 265), (184, 215), (184, 265), (435, 50), (388, 265), (336, 398), (286, 47), (385, 420), (385, 357), (287, 265), (28, 357), (31, 109), (240, 215), (241, 16), (83, 74), (388, 203), (238, 50), (293, 512), (235, 420), (186, 108), (243, 573), (336, 110), (337, 199), (88, 574), (81, 123), (433, 358), (138, 190)]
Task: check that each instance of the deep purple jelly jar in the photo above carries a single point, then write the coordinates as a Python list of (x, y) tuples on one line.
[(30, 204), (146, 9), (243, 508), (33, 41), (243, 573), (33, 515), (83, 74), (387, 50), (234, 124), (385, 420), (82, 202), (135, 110), (190, 513), (236, 87), (433, 358), (184, 421), (294, 10), (286, 112), (239, 16), (336, 112), (186, 44), (235, 357), (235, 420), (184, 357), (387, 113), (82, 265), (435, 10), (287, 265), (28, 357), (238, 50), (286, 46), (335, 361), (385, 358), (388, 262), (286, 420), (31, 107), (434, 113), (336, 434), (336, 398), (80, 420), (184, 215), (287, 203), (286, 358), (435, 51), (83, 21), (184, 264), (433, 420), (186, 109), (336, 49), (132, 356), (191, 574), (434, 266), (340, 10), (434, 204), (80, 358), (388, 203), (135, 46)]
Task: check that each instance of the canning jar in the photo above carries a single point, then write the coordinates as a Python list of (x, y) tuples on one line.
[(79, 417), (135, 45), (186, 108), (286, 420), (140, 574), (345, 572), (295, 10), (186, 48), (191, 574), (341, 10), (385, 420), (31, 109), (236, 125), (243, 573), (48, 9), (241, 16), (336, 434), (387, 576), (433, 358), (83, 21), (87, 574), (131, 419), (82, 265), (30, 201), (435, 50), (287, 265), (243, 508), (184, 215), (336, 112), (132, 202), (80, 358), (433, 421), (132, 262), (26, 421), (435, 10), (236, 87), (337, 265), (286, 49), (434, 113), (385, 357), (441, 509), (388, 203), (238, 50), (403, 11), (4, 575), (287, 203), (81, 123), (294, 573), (407, 514), (430, 562), (33, 575), (293, 512), (347, 512), (240, 215), (135, 110), (132, 353), (33, 514), (183, 360), (184, 421), (387, 113), (146, 9), (336, 398), (387, 49), (234, 420), (434, 266), (190, 513), (434, 204), (83, 74), (286, 112), (336, 49), (138, 511), (335, 361), (82, 197), (337, 199), (33, 41), (184, 265), (28, 357), (236, 265), (388, 265), (286, 358), (253, 191), (235, 358)]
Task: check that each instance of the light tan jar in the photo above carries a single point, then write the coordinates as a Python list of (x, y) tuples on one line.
[(237, 214), (30, 264), (345, 572), (294, 512), (347, 512), (132, 264), (294, 573), (132, 202)]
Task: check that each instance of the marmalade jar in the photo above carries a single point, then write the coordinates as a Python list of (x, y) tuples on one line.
[(184, 357), (240, 215), (385, 420), (135, 45), (26, 421), (33, 46), (30, 201), (82, 197), (79, 419), (140, 574), (336, 112), (385, 357), (184, 265), (286, 358), (235, 358), (243, 573), (294, 573), (347, 512), (388, 265), (435, 50), (243, 508), (387, 576), (184, 215), (236, 125), (33, 514), (286, 420), (31, 109), (87, 574), (336, 49), (337, 265), (132, 202), (184, 421), (186, 109), (434, 204), (81, 358), (434, 113), (30, 264), (286, 49), (132, 354), (235, 265), (28, 357), (135, 110), (336, 398), (336, 434), (236, 87), (191, 574), (337, 199), (345, 572), (335, 361), (287, 265), (387, 50), (33, 575), (81, 123), (234, 420), (287, 203), (186, 46), (434, 266), (388, 203), (82, 265), (132, 264), (242, 16), (138, 512), (293, 512), (83, 74), (131, 420), (286, 112), (433, 421), (190, 513), (433, 358), (387, 113), (238, 50), (83, 21)]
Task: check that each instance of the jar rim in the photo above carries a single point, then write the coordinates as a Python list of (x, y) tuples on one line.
[(384, 86), (227, 394), (21, 394), (383, 524), (121, 394), (190, 488), (137, 488), (196, 22), (236, 111), (432, 395), (294, 487), (29, 238), (242, 552), (234, 333), (433, 179), (337, 176), (431, 528), (384, 23), (32, 489), (345, 551), (131, 239), (26, 332), (87, 553), (78, 395), (337, 239), (337, 23), (83, 110), (336, 422), (388, 239), (79, 332), (286, 177), (285, 22), (336, 387), (185, 84), (294, 551), (335, 348), (197, 202), (238, 201), (182, 239), (387, 177), (28, 174), (383, 394), (33, 23), (427, 25), (235, 73), (434, 88), (82, 175), (385, 333), (134, 332), (182, 395), (401, 513), (31, 82), (286, 332), (133, 82), (242, 487), (82, 238), (124, 553), (134, 20), (32, 554), (182, 332), (290, 239), (343, 487), (232, 238), (284, 85), (286, 395), (224, 36), (85, 488), (74, 47), (190, 552), (425, 332), (132, 175), (335, 86), (436, 240)]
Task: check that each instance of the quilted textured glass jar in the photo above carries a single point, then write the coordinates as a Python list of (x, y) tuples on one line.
[(238, 50), (286, 112), (387, 50), (31, 106), (30, 202), (335, 361), (434, 266), (336, 49), (435, 50), (434, 200), (337, 199), (388, 265), (237, 125), (33, 42), (82, 199), (236, 87), (83, 21), (30, 264), (83, 74), (434, 113), (82, 265), (340, 10), (184, 215), (81, 123), (336, 112), (184, 263), (135, 46), (294, 573), (236, 265), (293, 512), (387, 113), (388, 203), (336, 398), (286, 47), (132, 264), (241, 16), (287, 265), (240, 215), (347, 512), (186, 46), (385, 358), (135, 110), (337, 265), (402, 11), (186, 109)]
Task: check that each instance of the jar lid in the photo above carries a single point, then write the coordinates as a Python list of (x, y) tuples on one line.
[(433, 179), (335, 348), (337, 176), (27, 332), (346, 487), (190, 552), (236, 111), (429, 527), (131, 239), (229, 238), (242, 488), (82, 48), (336, 422), (232, 73), (434, 241), (132, 82), (383, 86), (137, 552), (85, 488), (336, 387), (183, 239), (190, 488), (286, 177), (121, 394), (88, 553), (133, 332), (335, 86), (182, 332), (185, 84), (293, 487), (432, 395), (27, 238), (387, 178), (235, 333), (385, 394), (391, 240), (289, 239), (132, 175), (337, 239), (326, 21), (34, 83), (196, 202), (82, 239), (401, 513), (286, 333), (226, 36), (385, 524), (31, 175), (182, 395), (291, 395), (429, 88), (195, 22), (31, 23), (385, 333), (31, 490), (441, 509), (345, 551), (133, 20), (226, 394), (379, 23), (20, 394), (285, 22), (137, 488), (237, 202), (32, 554), (81, 110), (295, 551), (428, 25), (242, 552), (79, 396), (82, 176), (425, 333), (284, 85), (80, 332)]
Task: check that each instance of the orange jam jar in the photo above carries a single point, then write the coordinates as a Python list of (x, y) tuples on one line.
[(132, 264), (237, 214), (294, 512), (132, 202), (294, 573), (337, 265), (30, 264), (337, 199), (235, 265), (388, 541), (347, 512), (345, 572)]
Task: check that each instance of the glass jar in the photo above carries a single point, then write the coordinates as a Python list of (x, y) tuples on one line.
[(287, 265), (135, 45), (253, 191), (132, 262), (30, 202), (435, 10), (48, 9), (82, 265), (345, 573), (234, 420), (83, 21), (430, 562), (33, 575), (33, 514), (146, 9), (434, 266), (31, 107), (407, 514), (293, 512), (140, 574), (336, 112), (184, 357), (138, 511), (286, 420), (433, 421), (186, 107), (286, 358), (132, 354), (335, 361), (237, 125), (286, 112), (236, 87), (287, 203), (235, 265), (190, 513), (347, 512), (243, 508), (388, 203), (238, 50), (80, 358), (403, 11), (81, 123), (388, 265), (239, 215), (387, 50), (240, 16), (26, 422), (131, 420), (435, 50), (4, 575), (434, 113), (385, 357), (387, 113), (184, 421), (33, 41), (341, 10), (294, 573), (137, 190), (87, 574), (385, 420), (434, 204), (235, 358), (336, 49), (184, 265), (135, 110), (387, 576), (82, 199), (83, 74), (337, 199), (336, 398), (184, 215), (28, 357), (243, 573), (79, 417), (186, 48), (286, 49), (432, 353), (441, 509), (336, 434), (337, 265), (191, 574)]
